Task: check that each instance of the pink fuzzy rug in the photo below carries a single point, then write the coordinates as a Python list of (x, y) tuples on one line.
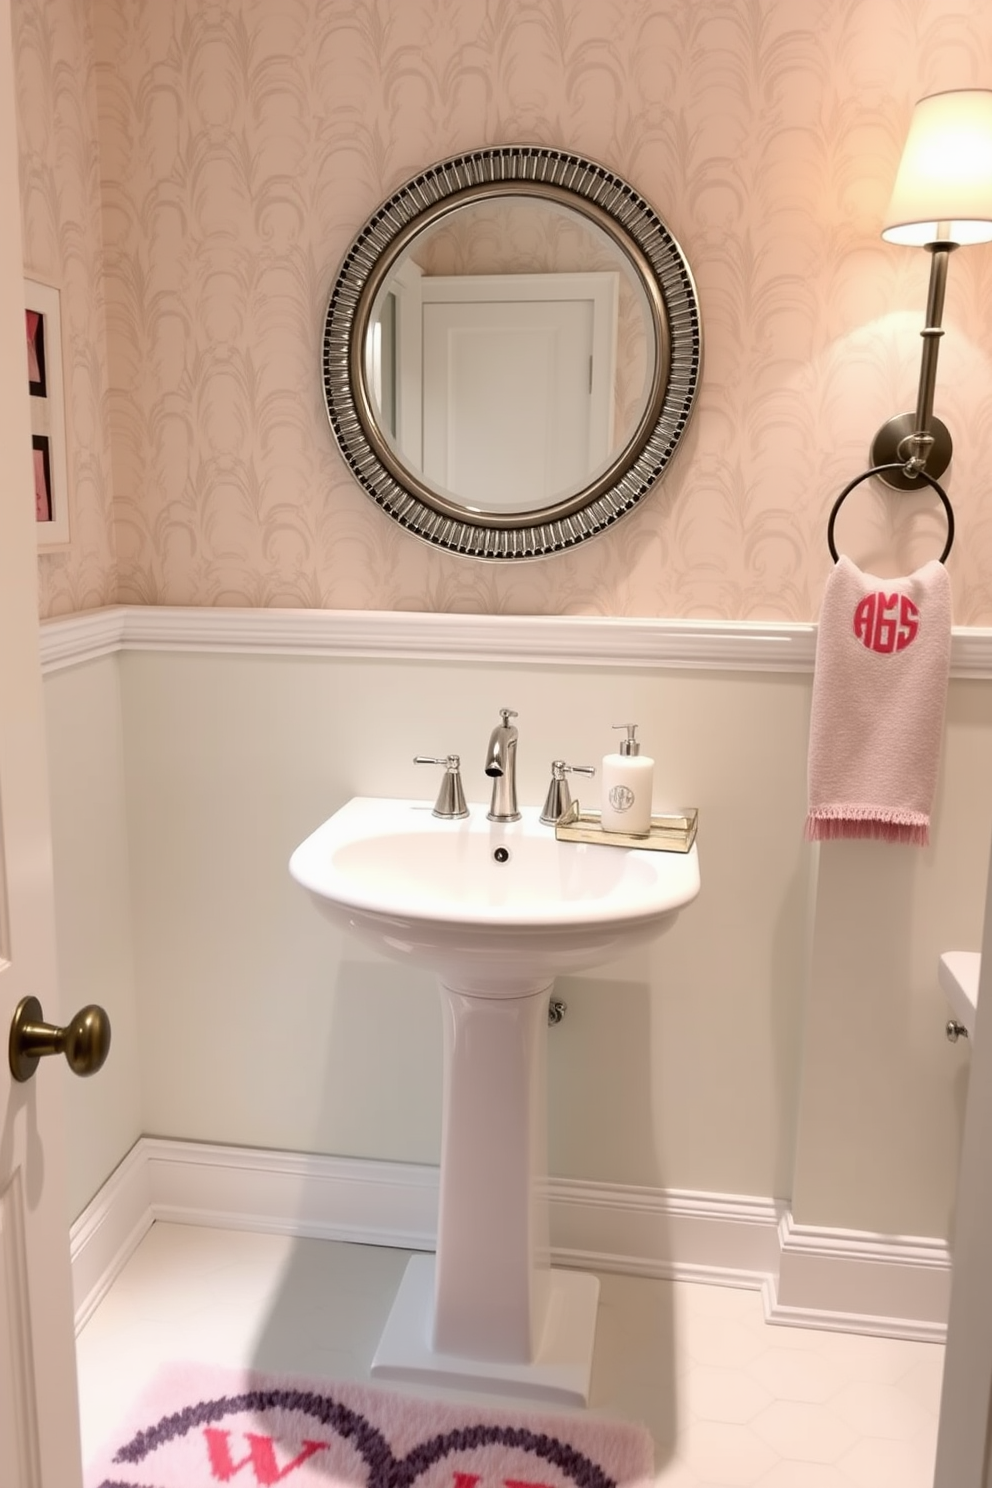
[(197, 1426)]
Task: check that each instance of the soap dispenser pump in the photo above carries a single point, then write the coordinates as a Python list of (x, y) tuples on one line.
[(627, 781)]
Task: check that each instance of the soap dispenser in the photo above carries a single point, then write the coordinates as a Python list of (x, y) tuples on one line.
[(627, 781)]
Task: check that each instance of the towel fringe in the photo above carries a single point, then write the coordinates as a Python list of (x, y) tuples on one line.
[(832, 823)]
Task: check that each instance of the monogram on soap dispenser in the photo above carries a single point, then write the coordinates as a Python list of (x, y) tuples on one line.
[(627, 783)]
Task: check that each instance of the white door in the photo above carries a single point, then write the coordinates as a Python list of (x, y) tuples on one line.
[(518, 385), (39, 1424), (506, 401), (964, 1449)]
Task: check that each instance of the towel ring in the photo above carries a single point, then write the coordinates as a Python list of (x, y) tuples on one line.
[(877, 470)]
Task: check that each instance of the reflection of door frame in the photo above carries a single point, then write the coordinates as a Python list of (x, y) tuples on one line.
[(600, 289), (406, 292), (413, 289)]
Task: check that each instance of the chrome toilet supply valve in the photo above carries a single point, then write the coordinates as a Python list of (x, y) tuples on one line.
[(955, 1030), (450, 804), (559, 798)]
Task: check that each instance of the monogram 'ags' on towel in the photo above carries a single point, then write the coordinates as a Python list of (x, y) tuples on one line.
[(883, 655)]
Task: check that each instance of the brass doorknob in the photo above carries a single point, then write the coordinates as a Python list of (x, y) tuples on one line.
[(85, 1040)]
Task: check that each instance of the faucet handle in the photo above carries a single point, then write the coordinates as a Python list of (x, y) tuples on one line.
[(450, 802), (559, 798), (506, 714)]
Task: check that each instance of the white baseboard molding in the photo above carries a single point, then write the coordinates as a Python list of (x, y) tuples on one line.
[(896, 1286), (241, 1188), (809, 1277), (109, 1230), (715, 1238)]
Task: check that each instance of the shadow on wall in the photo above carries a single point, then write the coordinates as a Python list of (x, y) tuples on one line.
[(600, 1111), (383, 1086), (871, 1114), (788, 994)]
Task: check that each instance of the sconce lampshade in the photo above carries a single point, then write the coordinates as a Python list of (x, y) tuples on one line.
[(943, 191)]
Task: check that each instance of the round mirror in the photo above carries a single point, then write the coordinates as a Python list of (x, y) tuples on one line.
[(511, 352)]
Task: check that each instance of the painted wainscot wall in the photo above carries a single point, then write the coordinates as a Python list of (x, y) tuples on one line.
[(235, 640)]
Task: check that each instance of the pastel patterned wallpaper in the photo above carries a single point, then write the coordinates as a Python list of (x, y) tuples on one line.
[(242, 143), (60, 196)]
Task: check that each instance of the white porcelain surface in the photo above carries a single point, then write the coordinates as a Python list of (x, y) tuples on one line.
[(493, 1267), (497, 910), (958, 973), (432, 889), (559, 1370)]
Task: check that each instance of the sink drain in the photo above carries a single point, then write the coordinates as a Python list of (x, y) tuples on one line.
[(501, 854)]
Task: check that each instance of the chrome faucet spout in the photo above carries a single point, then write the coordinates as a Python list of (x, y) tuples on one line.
[(501, 765)]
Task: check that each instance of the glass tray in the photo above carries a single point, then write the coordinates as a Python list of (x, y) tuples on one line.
[(675, 832)]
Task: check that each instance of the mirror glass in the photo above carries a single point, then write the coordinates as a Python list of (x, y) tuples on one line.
[(511, 352), (509, 355)]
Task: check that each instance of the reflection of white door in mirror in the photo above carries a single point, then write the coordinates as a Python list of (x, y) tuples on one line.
[(393, 363), (531, 353), (534, 354)]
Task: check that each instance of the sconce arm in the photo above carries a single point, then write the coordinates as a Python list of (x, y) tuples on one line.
[(919, 444), (919, 441)]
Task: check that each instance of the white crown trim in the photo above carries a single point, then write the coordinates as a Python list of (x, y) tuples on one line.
[(577, 640), (562, 640), (69, 640)]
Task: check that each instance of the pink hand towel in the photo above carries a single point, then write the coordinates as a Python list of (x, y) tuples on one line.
[(883, 656)]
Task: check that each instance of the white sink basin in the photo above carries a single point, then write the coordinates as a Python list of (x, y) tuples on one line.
[(494, 906), (497, 911)]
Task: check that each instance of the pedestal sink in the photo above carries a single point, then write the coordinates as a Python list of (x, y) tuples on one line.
[(497, 911)]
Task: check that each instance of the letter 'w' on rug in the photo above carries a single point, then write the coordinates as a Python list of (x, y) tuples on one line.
[(196, 1426)]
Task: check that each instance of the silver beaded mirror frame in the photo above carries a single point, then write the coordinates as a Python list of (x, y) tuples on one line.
[(650, 255)]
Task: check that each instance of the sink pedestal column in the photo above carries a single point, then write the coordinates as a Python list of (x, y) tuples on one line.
[(488, 1312), (491, 1291)]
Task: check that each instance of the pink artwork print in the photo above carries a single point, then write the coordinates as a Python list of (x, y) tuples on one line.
[(34, 325), (42, 481)]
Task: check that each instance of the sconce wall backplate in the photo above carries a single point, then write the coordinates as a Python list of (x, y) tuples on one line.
[(885, 449)]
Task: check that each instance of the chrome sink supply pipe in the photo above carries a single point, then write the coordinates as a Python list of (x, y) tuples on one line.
[(501, 766)]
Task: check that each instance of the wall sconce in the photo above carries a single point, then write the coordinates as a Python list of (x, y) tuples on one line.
[(942, 199)]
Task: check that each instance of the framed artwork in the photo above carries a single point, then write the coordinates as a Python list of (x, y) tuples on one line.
[(43, 330)]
